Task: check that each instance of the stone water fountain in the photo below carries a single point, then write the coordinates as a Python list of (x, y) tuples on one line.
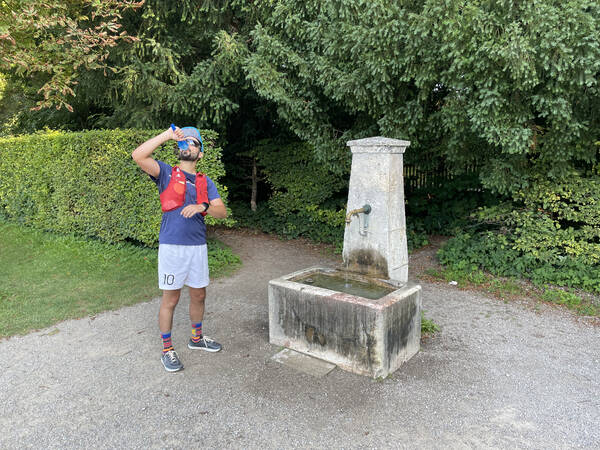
[(364, 317)]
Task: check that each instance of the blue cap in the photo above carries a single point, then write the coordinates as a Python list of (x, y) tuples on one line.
[(189, 132), (193, 132)]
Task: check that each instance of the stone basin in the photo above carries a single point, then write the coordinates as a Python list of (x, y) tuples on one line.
[(368, 336)]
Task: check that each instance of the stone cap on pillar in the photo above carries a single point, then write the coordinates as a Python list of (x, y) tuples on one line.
[(378, 144)]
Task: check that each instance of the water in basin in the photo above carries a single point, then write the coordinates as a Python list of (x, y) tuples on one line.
[(343, 283)]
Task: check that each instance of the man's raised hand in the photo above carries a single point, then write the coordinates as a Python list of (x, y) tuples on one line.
[(176, 133)]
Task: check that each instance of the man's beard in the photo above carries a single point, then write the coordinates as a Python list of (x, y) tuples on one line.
[(188, 155)]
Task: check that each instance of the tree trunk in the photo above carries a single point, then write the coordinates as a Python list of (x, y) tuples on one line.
[(254, 187)]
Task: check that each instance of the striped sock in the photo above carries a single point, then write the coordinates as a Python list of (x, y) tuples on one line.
[(167, 345), (196, 332)]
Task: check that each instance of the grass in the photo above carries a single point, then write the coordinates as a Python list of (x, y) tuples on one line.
[(570, 300), (508, 289), (47, 278), (428, 326)]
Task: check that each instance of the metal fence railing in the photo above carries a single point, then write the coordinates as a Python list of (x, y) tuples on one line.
[(416, 177)]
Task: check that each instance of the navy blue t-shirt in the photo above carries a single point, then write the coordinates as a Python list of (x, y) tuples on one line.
[(174, 228)]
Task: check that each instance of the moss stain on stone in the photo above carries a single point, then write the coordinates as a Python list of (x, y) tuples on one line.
[(369, 262)]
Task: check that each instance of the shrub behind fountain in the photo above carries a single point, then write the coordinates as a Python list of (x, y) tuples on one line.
[(370, 336)]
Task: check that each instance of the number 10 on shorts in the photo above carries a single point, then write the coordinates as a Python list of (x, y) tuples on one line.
[(168, 279)]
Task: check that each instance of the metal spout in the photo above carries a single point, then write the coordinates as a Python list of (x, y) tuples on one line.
[(366, 209)]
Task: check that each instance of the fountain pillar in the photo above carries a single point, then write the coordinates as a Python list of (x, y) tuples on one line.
[(376, 179), (336, 315)]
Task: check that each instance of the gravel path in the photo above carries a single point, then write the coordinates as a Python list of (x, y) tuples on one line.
[(498, 375)]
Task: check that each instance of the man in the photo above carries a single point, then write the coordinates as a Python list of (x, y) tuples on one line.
[(182, 254)]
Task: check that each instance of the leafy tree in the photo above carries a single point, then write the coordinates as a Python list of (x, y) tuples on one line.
[(524, 80), (511, 85), (186, 65), (52, 42)]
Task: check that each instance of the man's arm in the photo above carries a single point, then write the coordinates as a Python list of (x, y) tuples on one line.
[(216, 209), (143, 154)]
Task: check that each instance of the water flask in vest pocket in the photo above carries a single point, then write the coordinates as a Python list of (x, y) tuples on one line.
[(174, 195)]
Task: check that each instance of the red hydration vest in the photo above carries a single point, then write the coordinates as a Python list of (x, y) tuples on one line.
[(174, 195)]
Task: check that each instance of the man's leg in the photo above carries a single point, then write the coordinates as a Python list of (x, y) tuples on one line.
[(168, 303), (167, 308), (197, 296), (198, 341)]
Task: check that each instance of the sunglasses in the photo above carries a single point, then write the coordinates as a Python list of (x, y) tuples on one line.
[(183, 145)]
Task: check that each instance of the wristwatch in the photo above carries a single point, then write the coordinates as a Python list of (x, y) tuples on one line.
[(206, 205)]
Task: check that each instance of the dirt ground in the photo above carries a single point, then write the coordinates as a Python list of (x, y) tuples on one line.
[(497, 375)]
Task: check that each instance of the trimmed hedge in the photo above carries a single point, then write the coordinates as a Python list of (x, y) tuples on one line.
[(87, 183)]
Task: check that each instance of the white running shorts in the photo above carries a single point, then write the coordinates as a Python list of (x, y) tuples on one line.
[(180, 265)]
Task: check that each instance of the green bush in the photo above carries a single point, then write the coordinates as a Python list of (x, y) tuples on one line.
[(444, 209), (552, 235), (301, 186), (305, 198), (87, 183)]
